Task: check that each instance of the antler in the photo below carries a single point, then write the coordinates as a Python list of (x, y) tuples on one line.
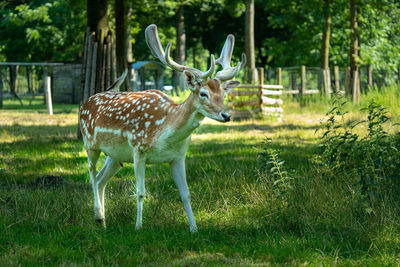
[(153, 42), (224, 60)]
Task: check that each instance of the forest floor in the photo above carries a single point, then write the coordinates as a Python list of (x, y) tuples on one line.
[(46, 201)]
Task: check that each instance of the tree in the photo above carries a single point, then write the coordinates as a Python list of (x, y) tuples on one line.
[(354, 52), (325, 72), (97, 16), (123, 13), (180, 51), (42, 30), (249, 42)]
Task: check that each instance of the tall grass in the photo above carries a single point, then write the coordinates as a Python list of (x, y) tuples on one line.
[(387, 96)]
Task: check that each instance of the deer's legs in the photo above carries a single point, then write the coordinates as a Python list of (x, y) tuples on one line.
[(93, 156), (139, 164), (110, 168), (179, 173)]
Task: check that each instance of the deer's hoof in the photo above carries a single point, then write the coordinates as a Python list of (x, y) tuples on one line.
[(102, 222)]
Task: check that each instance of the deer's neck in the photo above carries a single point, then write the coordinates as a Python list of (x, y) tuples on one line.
[(186, 119)]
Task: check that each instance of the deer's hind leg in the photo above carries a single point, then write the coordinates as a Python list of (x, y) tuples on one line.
[(110, 168), (93, 156)]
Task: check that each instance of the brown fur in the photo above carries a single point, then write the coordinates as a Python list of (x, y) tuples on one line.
[(130, 112), (213, 85)]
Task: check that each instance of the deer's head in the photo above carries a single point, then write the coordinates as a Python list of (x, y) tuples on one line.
[(209, 94)]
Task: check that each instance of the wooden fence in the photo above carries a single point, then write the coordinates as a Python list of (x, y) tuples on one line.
[(255, 100), (99, 63)]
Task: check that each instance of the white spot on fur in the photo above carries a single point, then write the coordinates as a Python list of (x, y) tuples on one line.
[(158, 122)]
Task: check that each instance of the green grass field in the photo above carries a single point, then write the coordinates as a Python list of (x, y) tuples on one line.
[(46, 203)]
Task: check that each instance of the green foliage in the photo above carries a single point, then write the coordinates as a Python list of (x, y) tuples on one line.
[(42, 30), (379, 31), (372, 160), (287, 33), (273, 168)]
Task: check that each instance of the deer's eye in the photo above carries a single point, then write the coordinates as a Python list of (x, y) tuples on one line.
[(202, 94)]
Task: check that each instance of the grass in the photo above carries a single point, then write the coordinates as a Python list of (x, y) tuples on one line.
[(46, 203)]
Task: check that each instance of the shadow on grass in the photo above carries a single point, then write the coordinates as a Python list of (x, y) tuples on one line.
[(169, 240), (295, 154), (40, 132), (211, 128), (49, 147), (45, 150)]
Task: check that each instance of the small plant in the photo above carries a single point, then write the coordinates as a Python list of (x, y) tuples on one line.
[(273, 167), (373, 160)]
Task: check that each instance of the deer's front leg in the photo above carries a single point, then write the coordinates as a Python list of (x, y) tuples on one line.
[(179, 173), (139, 166)]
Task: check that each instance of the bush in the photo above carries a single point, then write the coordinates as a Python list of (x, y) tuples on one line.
[(352, 186), (372, 160)]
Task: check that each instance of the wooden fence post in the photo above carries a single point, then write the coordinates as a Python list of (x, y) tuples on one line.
[(107, 77), (261, 80), (398, 73), (279, 76), (92, 87), (347, 82), (370, 80), (303, 81), (88, 66), (326, 82), (355, 86), (99, 62), (47, 90), (337, 79), (261, 77), (1, 89)]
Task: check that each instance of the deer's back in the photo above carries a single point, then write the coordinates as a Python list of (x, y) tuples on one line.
[(119, 121)]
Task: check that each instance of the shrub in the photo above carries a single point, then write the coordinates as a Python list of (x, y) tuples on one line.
[(372, 160)]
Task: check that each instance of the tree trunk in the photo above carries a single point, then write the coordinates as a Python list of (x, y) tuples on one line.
[(325, 73), (97, 18), (179, 82), (28, 79), (326, 36), (14, 82), (123, 11), (249, 42), (1, 88), (194, 56), (354, 50)]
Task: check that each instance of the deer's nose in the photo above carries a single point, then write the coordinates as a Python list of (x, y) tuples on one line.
[(226, 116)]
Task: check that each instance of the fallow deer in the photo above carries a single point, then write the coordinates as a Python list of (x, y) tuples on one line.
[(148, 127)]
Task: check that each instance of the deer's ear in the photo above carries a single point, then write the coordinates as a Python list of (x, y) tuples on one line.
[(229, 86), (190, 80)]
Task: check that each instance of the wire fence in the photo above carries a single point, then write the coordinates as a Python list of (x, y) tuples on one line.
[(291, 78), (27, 80)]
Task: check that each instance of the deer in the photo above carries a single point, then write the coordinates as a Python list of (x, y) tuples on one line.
[(147, 127)]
